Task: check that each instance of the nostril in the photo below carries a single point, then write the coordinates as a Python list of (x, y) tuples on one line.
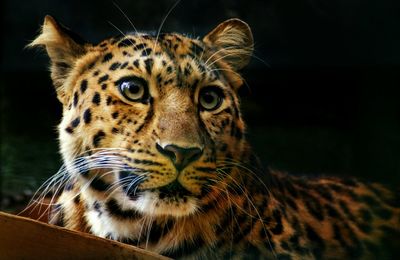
[(180, 156), (166, 152), (194, 154)]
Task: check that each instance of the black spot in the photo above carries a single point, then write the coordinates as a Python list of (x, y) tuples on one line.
[(201, 68), (75, 122), (96, 98), (346, 210), (76, 99), (126, 43), (291, 189), (136, 63), (87, 116), (188, 70), (149, 65), (313, 206), (169, 69), (77, 199), (332, 212), (98, 137), (291, 203), (278, 228), (84, 85), (244, 230), (140, 46), (91, 65), (115, 66), (69, 130), (124, 65), (159, 79), (157, 232), (107, 57), (146, 52), (147, 162), (115, 115), (114, 130), (354, 249), (99, 185), (104, 86), (318, 244), (115, 210), (196, 49), (102, 79), (109, 99), (146, 120), (295, 244), (130, 190), (57, 215), (97, 208)]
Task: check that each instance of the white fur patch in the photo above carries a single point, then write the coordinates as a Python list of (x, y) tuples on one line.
[(149, 203)]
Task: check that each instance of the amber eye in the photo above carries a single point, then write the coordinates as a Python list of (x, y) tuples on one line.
[(133, 88), (210, 98)]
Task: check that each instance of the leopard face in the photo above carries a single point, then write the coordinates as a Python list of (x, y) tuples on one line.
[(149, 119)]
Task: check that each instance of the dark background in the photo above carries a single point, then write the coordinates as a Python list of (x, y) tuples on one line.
[(321, 94)]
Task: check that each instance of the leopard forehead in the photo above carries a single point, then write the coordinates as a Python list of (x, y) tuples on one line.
[(167, 59)]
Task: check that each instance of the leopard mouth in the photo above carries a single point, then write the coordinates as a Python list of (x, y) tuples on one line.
[(174, 190), (169, 200)]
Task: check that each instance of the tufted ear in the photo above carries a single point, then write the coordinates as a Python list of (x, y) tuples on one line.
[(63, 47), (233, 41)]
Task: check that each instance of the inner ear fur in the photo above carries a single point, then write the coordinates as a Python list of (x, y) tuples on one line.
[(231, 44), (63, 47)]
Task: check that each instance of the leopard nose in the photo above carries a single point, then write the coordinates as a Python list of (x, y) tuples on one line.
[(180, 156)]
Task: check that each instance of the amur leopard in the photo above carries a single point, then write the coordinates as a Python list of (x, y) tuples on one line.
[(155, 156)]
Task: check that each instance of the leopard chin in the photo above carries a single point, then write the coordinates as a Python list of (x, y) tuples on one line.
[(158, 202)]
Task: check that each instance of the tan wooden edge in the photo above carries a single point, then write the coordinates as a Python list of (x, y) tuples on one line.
[(24, 238)]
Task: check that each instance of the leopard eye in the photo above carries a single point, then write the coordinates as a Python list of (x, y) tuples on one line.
[(210, 98), (133, 88)]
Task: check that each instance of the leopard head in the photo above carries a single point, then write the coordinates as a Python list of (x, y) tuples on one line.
[(149, 120)]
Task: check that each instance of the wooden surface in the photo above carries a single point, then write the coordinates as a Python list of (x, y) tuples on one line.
[(23, 238)]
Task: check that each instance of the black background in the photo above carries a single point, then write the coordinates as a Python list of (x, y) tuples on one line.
[(321, 93)]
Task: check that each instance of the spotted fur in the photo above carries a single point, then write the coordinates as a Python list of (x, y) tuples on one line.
[(121, 182)]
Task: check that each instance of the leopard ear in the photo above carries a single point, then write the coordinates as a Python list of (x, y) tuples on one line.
[(63, 47), (233, 41)]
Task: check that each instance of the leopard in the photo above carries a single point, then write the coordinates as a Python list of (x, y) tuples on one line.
[(155, 155)]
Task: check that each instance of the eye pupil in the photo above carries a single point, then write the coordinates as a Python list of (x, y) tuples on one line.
[(210, 98), (134, 89)]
